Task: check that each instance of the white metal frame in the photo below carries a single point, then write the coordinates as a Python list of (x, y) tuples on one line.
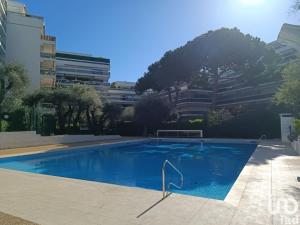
[(178, 132)]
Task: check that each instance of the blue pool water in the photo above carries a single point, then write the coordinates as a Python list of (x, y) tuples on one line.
[(208, 172)]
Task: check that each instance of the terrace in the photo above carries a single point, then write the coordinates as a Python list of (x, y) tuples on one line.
[(269, 176)]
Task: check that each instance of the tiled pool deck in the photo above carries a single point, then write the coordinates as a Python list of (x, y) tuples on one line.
[(270, 175)]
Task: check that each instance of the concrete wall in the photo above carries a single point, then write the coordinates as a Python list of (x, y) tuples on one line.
[(28, 138), (23, 42), (287, 121), (296, 146)]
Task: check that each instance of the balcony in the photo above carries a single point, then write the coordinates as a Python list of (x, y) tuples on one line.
[(47, 55), (48, 38)]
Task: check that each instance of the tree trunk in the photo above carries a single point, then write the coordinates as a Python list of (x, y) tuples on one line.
[(170, 95), (70, 115), (61, 120), (77, 118), (95, 123), (88, 118)]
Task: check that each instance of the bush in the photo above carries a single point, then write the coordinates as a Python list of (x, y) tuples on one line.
[(19, 120), (251, 124), (217, 117), (297, 126), (128, 114), (183, 125), (150, 112), (48, 124), (130, 129), (3, 125)]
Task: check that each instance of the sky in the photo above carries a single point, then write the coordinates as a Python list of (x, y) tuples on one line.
[(135, 33)]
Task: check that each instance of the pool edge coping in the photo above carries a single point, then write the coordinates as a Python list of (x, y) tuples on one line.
[(118, 141), (71, 148), (236, 192), (233, 196)]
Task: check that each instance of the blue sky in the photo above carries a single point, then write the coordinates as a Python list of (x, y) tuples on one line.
[(135, 33)]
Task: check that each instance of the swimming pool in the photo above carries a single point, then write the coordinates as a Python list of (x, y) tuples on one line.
[(209, 170)]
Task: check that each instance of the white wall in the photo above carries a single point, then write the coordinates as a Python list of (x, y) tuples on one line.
[(30, 138), (296, 146), (23, 42), (286, 126)]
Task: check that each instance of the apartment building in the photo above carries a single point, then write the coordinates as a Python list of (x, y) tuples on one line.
[(121, 93), (3, 15), (27, 43), (75, 68), (194, 103), (48, 61), (287, 44), (232, 91)]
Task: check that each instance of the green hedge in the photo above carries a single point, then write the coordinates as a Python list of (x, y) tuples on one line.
[(252, 124), (19, 120)]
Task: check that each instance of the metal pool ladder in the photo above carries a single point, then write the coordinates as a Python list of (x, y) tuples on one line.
[(263, 137), (164, 178)]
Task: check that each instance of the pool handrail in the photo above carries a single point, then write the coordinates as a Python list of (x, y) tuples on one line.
[(171, 183), (263, 137)]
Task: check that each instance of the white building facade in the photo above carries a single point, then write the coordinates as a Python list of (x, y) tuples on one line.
[(25, 36), (121, 93), (3, 16), (287, 44)]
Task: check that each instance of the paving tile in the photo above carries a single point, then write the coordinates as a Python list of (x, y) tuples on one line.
[(213, 213), (251, 215)]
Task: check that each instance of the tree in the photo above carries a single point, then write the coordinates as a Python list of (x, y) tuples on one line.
[(199, 80), (150, 111), (111, 114), (58, 98), (32, 100), (83, 98), (128, 114), (212, 55), (13, 81), (217, 117), (296, 6), (93, 105), (69, 104), (289, 92)]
